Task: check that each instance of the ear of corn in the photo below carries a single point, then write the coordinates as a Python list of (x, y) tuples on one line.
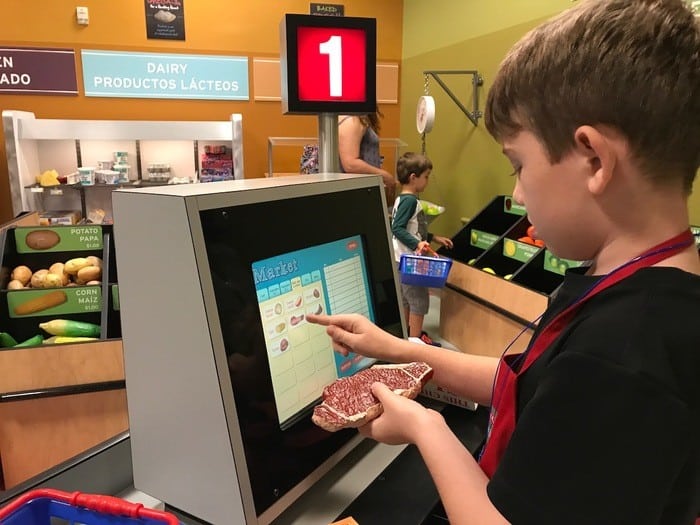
[(60, 339), (69, 328)]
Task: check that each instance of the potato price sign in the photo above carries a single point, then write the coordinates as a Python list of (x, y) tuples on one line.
[(58, 239)]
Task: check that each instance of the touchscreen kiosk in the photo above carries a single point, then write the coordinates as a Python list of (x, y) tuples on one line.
[(329, 278), (222, 368)]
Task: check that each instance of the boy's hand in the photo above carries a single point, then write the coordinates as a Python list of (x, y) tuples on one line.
[(356, 333), (423, 246), (401, 420), (445, 241)]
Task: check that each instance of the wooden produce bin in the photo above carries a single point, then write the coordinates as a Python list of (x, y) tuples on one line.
[(57, 400), (482, 312)]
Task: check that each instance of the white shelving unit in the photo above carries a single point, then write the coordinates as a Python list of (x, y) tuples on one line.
[(36, 145)]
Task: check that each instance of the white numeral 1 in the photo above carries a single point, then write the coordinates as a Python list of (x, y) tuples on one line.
[(333, 48)]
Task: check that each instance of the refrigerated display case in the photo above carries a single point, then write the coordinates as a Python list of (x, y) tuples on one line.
[(35, 146)]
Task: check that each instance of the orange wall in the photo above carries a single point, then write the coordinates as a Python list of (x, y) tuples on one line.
[(240, 28)]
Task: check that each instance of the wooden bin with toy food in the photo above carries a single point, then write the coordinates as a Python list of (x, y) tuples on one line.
[(60, 345), (501, 280)]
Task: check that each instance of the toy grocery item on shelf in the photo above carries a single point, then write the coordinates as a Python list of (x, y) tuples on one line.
[(52, 285), (216, 164)]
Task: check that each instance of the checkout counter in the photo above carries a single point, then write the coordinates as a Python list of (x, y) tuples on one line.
[(222, 370), (374, 483)]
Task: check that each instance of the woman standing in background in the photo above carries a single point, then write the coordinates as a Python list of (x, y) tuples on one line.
[(358, 147)]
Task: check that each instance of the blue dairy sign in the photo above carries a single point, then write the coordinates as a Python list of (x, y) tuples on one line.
[(148, 75)]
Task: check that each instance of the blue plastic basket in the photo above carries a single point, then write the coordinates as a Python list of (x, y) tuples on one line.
[(420, 270), (50, 507)]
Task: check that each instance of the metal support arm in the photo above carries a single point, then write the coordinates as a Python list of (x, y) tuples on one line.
[(477, 81)]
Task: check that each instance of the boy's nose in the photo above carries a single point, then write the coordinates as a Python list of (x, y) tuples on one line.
[(517, 194)]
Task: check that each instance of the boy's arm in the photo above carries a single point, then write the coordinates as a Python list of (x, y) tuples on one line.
[(471, 376), (404, 212), (458, 478)]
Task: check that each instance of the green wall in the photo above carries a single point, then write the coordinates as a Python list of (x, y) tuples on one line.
[(469, 169)]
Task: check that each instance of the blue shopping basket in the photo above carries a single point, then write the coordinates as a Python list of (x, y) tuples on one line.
[(421, 270), (49, 507)]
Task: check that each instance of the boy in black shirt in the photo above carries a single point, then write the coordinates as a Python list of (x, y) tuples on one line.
[(598, 422)]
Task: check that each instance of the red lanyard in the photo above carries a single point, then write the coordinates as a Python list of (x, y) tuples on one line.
[(503, 411)]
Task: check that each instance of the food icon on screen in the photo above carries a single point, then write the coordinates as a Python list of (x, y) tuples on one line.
[(297, 302), (278, 308), (284, 344), (296, 319), (280, 327), (319, 309), (316, 293)]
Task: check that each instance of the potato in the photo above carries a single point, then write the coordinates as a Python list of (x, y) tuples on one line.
[(72, 266), (89, 273), (52, 280), (58, 269), (94, 261), (15, 285), (22, 274), (37, 280)]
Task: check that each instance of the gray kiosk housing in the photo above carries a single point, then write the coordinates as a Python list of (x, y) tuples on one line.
[(200, 441)]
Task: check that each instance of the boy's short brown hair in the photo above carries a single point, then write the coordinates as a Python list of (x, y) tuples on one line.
[(631, 64), (409, 163)]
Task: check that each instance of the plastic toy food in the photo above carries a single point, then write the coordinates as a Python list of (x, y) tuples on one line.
[(489, 270), (37, 280), (349, 402), (48, 178), (89, 273), (74, 265), (15, 285), (22, 274), (67, 327)]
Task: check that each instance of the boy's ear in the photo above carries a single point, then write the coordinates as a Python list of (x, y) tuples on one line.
[(599, 155)]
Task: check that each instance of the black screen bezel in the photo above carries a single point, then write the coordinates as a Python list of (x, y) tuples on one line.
[(278, 459)]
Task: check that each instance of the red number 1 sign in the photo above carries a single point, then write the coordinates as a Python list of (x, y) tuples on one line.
[(328, 64), (332, 64)]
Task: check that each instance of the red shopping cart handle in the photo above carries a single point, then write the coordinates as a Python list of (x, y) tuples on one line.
[(104, 504)]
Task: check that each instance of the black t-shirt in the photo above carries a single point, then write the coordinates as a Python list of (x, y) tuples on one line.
[(608, 425)]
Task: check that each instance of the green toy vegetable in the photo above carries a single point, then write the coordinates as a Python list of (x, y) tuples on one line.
[(6, 340), (32, 341), (66, 327)]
